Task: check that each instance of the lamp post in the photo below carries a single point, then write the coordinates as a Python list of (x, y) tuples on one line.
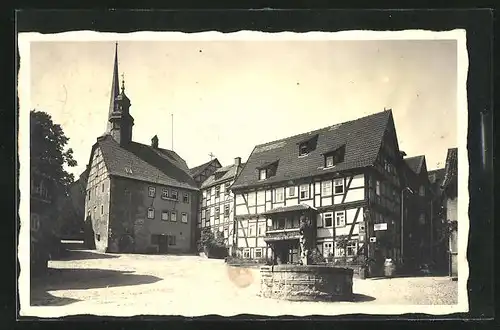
[(402, 218)]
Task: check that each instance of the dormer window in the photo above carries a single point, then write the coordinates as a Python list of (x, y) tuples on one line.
[(268, 170), (303, 149), (334, 157), (308, 145), (329, 161)]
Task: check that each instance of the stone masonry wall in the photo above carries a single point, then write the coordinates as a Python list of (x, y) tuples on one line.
[(306, 282), (130, 202)]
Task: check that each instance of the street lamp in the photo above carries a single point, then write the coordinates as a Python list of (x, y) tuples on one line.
[(402, 217)]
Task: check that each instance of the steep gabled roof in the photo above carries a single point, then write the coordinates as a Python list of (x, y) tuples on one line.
[(436, 175), (195, 171), (222, 174), (415, 163), (142, 162), (451, 168), (362, 139)]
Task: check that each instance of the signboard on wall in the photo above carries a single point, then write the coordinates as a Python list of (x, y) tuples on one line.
[(380, 226)]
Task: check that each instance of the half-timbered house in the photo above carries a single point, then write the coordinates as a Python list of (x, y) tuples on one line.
[(216, 207), (204, 171), (346, 177)]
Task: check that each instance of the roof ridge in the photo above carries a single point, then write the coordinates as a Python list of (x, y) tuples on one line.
[(323, 128)]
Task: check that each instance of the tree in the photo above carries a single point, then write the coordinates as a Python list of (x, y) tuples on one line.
[(47, 155), (47, 159)]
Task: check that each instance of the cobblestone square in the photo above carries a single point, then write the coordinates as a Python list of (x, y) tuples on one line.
[(176, 284)]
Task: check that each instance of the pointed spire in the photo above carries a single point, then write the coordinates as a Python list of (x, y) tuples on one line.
[(115, 85)]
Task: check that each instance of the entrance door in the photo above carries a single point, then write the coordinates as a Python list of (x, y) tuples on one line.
[(162, 244)]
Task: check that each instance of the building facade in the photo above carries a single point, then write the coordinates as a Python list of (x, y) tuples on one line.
[(450, 198), (139, 198), (216, 207), (347, 179)]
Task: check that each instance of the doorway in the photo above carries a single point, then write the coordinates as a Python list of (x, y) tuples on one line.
[(162, 244)]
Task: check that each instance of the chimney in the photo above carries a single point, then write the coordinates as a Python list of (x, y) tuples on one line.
[(237, 161), (154, 142)]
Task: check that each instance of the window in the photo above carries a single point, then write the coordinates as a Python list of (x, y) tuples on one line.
[(303, 149), (151, 191), (102, 187), (304, 191), (164, 215), (329, 161), (352, 248), (98, 237), (338, 186), (151, 213), (184, 218), (173, 216), (185, 198), (251, 230), (171, 239), (340, 219), (377, 188), (258, 253), (217, 191), (421, 191), (291, 191), (207, 214), (262, 174), (262, 229), (88, 193), (164, 193), (327, 249), (102, 209), (246, 253), (326, 188), (279, 195), (328, 219), (174, 194), (226, 210), (226, 188), (217, 212)]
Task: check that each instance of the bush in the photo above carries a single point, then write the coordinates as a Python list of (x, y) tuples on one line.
[(317, 258), (212, 244)]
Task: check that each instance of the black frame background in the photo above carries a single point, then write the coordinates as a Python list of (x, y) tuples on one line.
[(479, 26)]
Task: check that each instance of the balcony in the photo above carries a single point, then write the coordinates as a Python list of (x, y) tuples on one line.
[(281, 234)]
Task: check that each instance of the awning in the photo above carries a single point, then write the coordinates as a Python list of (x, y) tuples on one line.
[(293, 208)]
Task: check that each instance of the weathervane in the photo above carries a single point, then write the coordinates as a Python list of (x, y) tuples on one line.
[(211, 155)]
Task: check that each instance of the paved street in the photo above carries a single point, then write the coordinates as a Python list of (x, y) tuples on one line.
[(194, 285)]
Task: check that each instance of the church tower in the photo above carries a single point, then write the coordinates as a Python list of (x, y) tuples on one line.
[(120, 122)]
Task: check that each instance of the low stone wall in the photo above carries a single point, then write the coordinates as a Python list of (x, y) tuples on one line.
[(312, 282)]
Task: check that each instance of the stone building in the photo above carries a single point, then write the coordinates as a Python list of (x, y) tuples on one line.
[(347, 178), (216, 208), (139, 198)]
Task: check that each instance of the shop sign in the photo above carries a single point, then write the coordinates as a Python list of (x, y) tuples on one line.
[(380, 226)]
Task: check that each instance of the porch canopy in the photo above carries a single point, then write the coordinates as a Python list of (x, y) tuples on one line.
[(292, 208)]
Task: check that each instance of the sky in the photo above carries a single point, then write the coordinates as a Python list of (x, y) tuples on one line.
[(228, 96)]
